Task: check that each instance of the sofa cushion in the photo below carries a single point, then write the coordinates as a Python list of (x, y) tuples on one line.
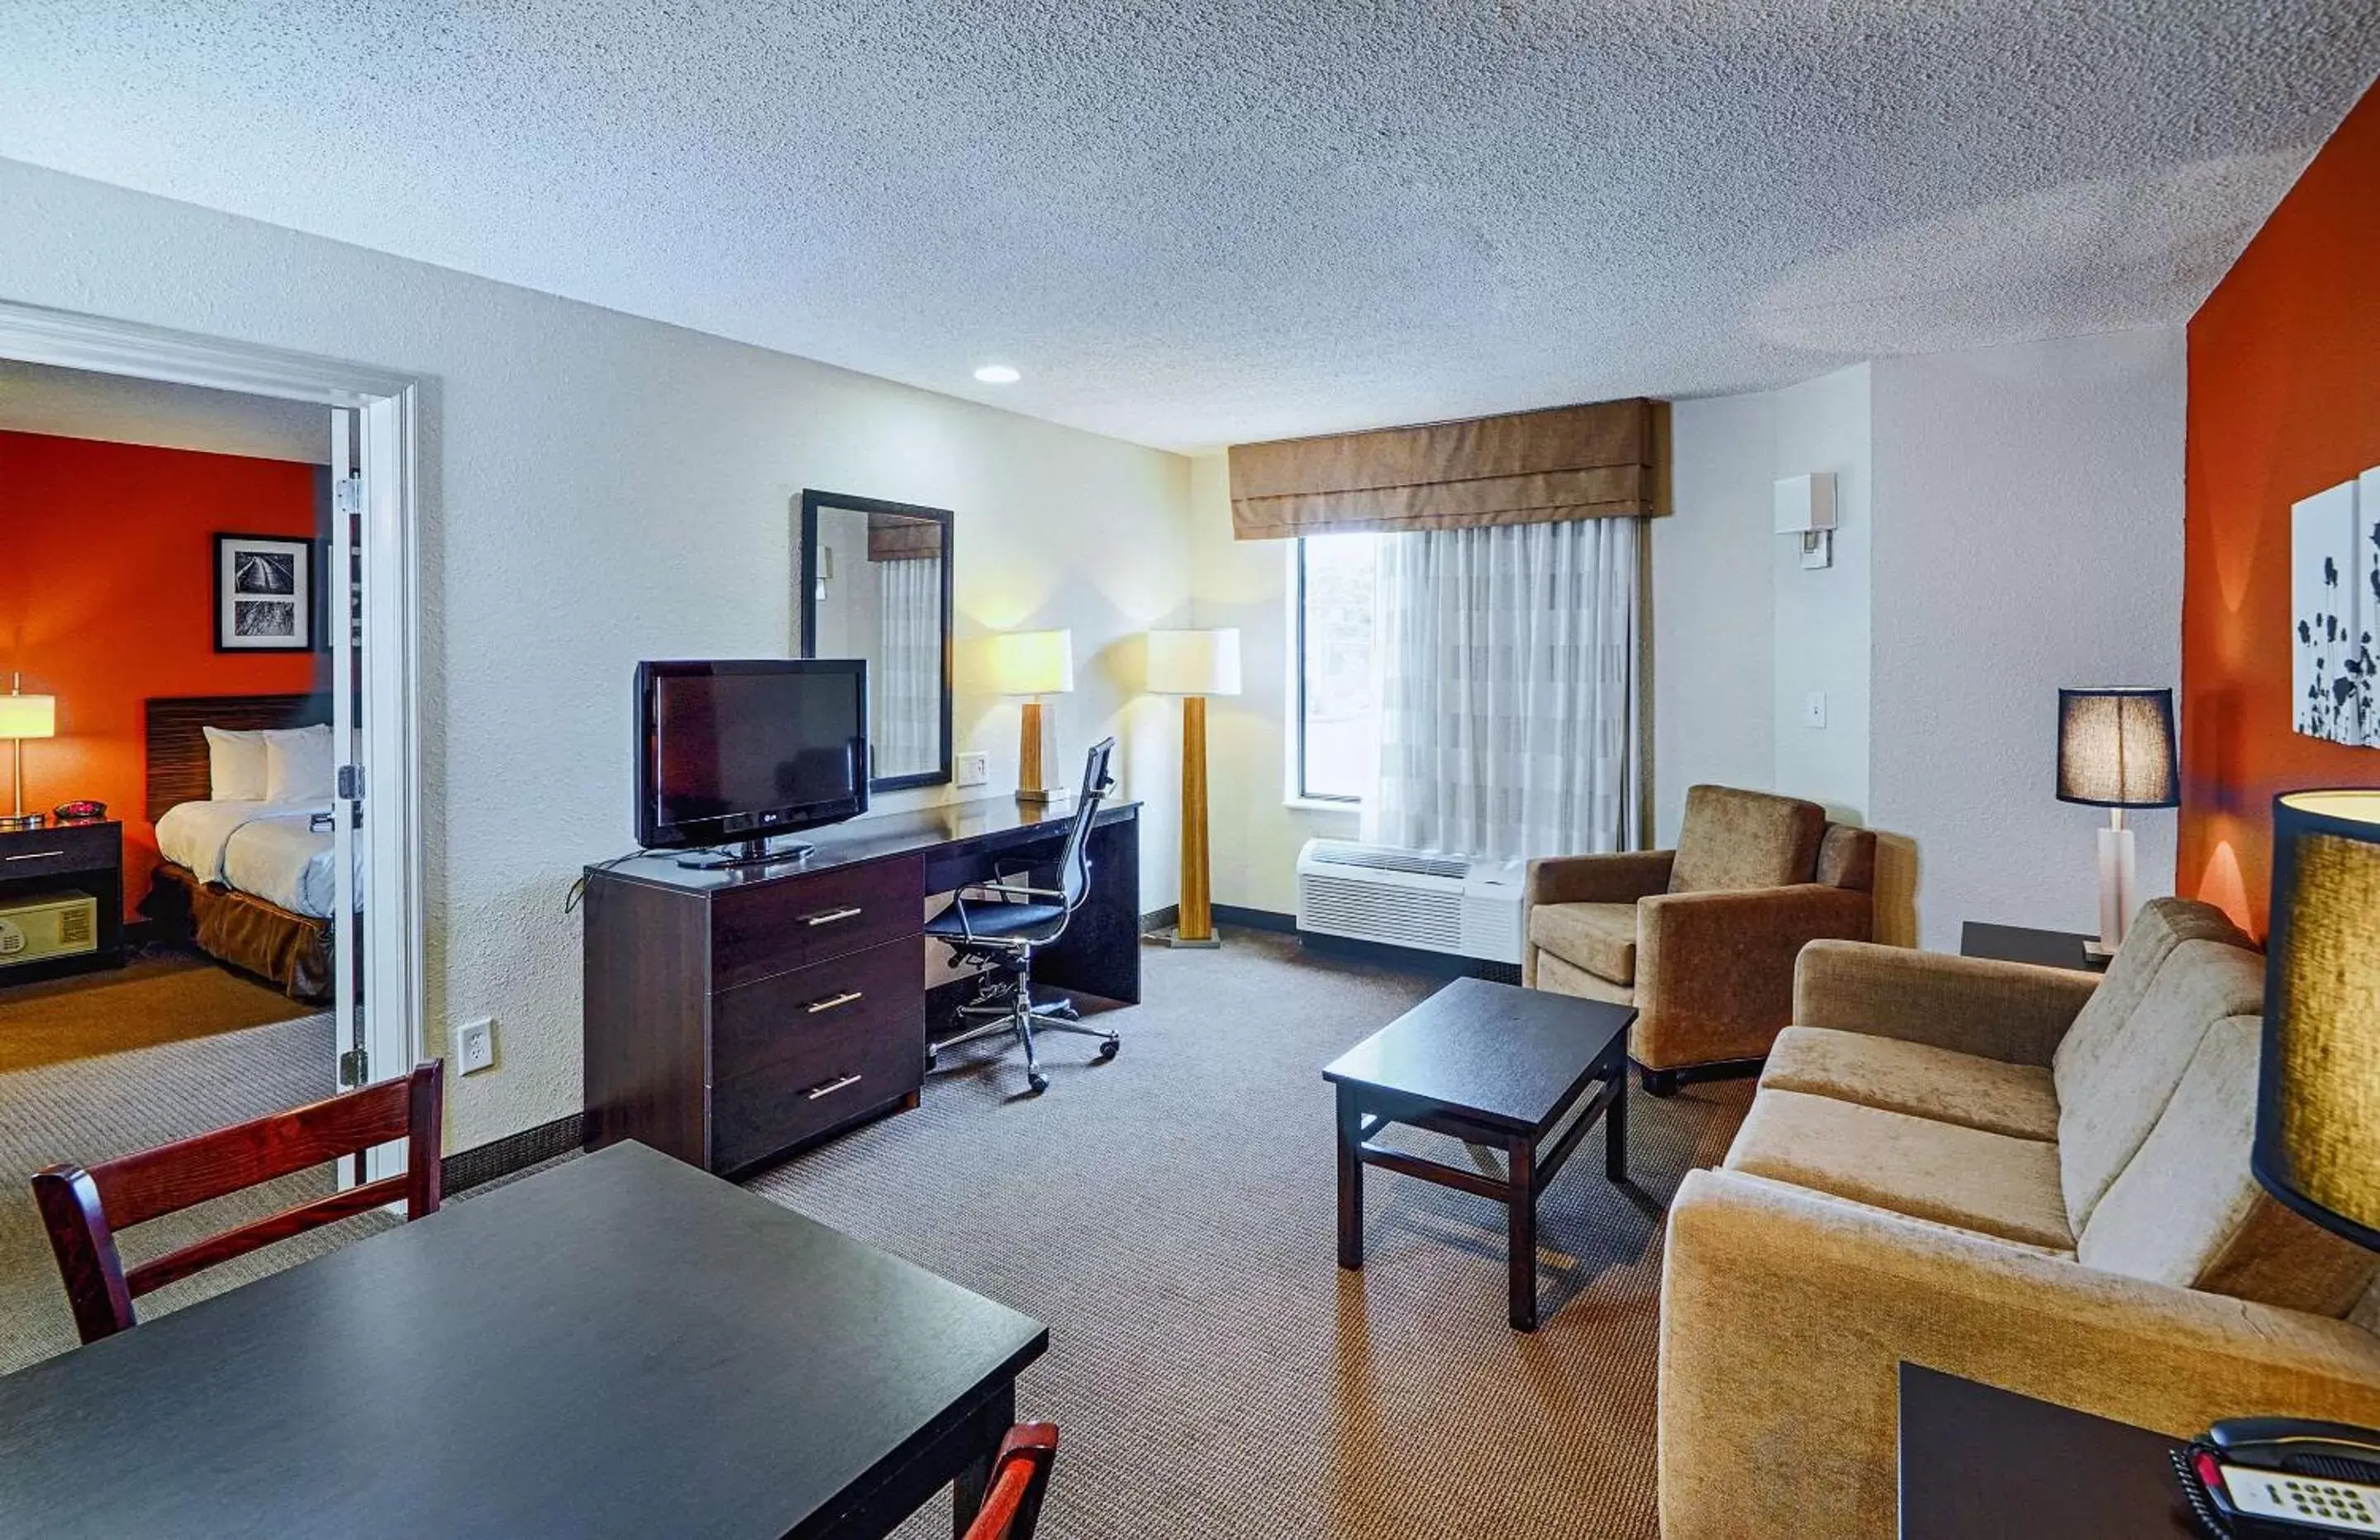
[(2162, 924), (2186, 1210), (1569, 978), (1600, 938), (2108, 1104), (1734, 839), (1916, 1078), (1968, 1178)]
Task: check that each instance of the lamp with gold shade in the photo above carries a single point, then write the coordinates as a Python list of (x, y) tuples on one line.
[(2318, 1104), (1193, 665), (24, 716), (1033, 663)]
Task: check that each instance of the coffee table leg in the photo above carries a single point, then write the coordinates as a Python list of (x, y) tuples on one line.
[(1351, 1180), (1615, 1129), (1521, 1205)]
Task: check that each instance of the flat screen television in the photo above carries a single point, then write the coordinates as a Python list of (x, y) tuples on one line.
[(732, 752)]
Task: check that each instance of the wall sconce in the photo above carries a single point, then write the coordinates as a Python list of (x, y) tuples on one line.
[(1805, 506)]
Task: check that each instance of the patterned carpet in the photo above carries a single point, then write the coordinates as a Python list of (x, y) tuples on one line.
[(1171, 1216)]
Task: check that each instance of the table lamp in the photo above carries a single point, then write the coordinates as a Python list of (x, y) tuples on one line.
[(2318, 1108), (2116, 750), (1033, 663), (1193, 665), (24, 716)]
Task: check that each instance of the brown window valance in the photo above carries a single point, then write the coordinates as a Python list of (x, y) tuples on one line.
[(1609, 459), (894, 538)]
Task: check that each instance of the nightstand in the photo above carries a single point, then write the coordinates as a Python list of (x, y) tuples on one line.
[(2015, 943), (86, 858), (1980, 1461)]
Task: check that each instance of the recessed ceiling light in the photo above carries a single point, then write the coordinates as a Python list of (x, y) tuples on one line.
[(996, 374)]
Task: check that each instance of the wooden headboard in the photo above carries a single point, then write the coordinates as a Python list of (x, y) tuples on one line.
[(177, 748)]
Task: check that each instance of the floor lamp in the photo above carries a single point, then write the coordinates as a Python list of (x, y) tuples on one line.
[(1193, 665), (24, 716), (1033, 663), (2116, 750)]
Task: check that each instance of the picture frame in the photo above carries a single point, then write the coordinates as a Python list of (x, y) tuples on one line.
[(264, 593)]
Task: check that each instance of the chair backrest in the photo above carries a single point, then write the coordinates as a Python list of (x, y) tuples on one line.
[(83, 1208), (1075, 865), (1020, 1474), (1735, 839)]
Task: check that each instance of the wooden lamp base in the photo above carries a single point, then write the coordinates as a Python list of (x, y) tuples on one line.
[(1195, 926), (1029, 760)]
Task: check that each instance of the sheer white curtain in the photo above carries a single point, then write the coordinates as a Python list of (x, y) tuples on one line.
[(1508, 694), (908, 671)]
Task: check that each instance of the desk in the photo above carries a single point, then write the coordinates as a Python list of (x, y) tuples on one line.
[(734, 1015), (646, 1350), (1982, 1463)]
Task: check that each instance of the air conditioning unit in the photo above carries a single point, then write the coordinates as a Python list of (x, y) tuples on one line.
[(1456, 904), (53, 925)]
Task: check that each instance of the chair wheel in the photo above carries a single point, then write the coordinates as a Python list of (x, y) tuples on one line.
[(931, 1058), (1038, 1081), (1108, 1050)]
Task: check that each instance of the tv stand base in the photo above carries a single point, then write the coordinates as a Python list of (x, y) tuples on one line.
[(746, 853)]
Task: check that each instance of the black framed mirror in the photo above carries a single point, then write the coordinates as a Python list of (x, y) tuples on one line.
[(875, 583)]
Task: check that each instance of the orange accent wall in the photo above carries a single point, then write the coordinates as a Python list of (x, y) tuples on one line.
[(2284, 401), (107, 598)]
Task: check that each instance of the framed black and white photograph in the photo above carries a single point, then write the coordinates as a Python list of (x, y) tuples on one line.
[(264, 594)]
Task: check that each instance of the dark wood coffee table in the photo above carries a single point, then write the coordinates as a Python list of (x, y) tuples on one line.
[(1489, 1065)]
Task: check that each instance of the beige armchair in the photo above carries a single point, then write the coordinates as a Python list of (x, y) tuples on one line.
[(1702, 938)]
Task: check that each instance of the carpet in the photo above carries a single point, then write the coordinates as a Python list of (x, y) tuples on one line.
[(1170, 1217), (161, 997), (88, 1110)]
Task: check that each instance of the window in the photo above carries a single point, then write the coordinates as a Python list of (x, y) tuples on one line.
[(1337, 705)]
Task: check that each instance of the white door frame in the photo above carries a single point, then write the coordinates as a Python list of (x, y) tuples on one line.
[(393, 913)]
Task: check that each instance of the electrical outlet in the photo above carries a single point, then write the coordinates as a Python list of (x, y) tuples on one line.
[(1813, 709), (475, 1045), (973, 769)]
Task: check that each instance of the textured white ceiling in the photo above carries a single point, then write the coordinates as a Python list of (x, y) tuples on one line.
[(1203, 223), (113, 409)]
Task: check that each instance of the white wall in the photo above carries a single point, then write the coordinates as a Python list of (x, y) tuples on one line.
[(1820, 621), (2029, 536), (599, 489)]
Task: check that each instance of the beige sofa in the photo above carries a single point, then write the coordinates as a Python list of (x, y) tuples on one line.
[(2021, 1175), (1702, 938)]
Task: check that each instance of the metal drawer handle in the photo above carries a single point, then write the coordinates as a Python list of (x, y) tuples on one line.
[(38, 855), (830, 916), (844, 999), (831, 1086)]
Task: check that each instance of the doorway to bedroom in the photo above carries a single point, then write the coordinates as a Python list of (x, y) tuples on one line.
[(188, 680)]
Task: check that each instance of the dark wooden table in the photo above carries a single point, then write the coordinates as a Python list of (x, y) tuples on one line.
[(2017, 943), (1982, 1463), (1489, 1065), (620, 1346)]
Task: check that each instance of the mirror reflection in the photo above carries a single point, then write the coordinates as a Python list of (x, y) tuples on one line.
[(876, 585)]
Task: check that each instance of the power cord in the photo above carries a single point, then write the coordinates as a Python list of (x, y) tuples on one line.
[(578, 889)]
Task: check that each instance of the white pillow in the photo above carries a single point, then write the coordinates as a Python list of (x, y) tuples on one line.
[(235, 764), (297, 764)]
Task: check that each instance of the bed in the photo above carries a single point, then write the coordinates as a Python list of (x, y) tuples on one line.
[(250, 883)]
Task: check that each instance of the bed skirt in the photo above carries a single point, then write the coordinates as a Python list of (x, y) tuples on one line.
[(292, 951)]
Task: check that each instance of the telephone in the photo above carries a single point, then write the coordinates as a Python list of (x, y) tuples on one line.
[(2283, 1478)]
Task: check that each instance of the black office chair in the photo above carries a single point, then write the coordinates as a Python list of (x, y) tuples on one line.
[(1001, 923)]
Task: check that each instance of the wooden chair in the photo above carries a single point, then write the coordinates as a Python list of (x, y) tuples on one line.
[(83, 1208), (1020, 1474)]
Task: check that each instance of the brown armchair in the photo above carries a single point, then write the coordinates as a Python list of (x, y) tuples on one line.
[(1701, 940)]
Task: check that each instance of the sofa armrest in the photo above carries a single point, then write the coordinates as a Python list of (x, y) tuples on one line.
[(1715, 970), (2015, 1011), (1622, 878), (1785, 1314)]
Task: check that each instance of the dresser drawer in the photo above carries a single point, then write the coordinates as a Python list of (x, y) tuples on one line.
[(777, 927), (829, 1079), (866, 994), (62, 850)]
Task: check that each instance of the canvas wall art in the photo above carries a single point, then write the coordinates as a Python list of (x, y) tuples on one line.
[(2335, 606)]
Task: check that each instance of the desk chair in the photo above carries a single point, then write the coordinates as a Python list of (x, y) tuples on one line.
[(83, 1208), (1020, 1474), (1000, 923)]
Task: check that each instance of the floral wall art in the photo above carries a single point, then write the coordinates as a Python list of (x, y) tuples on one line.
[(2334, 609)]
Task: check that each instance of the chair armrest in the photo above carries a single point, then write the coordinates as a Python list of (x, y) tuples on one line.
[(1785, 1314), (1618, 879), (1715, 970), (2015, 1011)]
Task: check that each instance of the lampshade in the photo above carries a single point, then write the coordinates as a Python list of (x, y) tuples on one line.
[(29, 716), (1033, 662), (2318, 1108), (1194, 662), (2116, 748)]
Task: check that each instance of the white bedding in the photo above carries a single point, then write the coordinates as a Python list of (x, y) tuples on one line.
[(269, 849)]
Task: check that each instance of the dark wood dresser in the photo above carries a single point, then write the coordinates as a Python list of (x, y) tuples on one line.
[(732, 1016)]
